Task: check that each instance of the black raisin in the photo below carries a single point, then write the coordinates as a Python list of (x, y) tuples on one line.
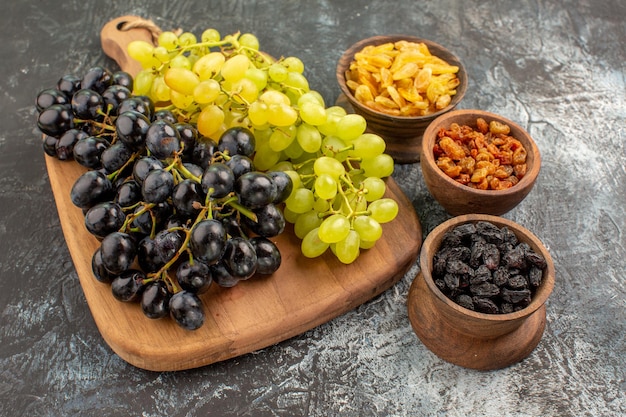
[(485, 305), (485, 289), (515, 258), (476, 252), (501, 276), (517, 282), (515, 296), (489, 231), (491, 256), (465, 231), (535, 259), (481, 274), (506, 308), (508, 236), (452, 281), (450, 240), (465, 300), (440, 284), (458, 267), (460, 253)]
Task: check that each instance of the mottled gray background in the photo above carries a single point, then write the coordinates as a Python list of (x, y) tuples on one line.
[(557, 68)]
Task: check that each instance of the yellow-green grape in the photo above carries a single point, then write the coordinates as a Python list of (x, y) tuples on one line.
[(296, 81), (325, 186), (282, 137), (335, 148), (301, 200), (180, 61), (309, 138), (143, 83), (168, 40), (244, 90), (312, 246), (365, 244), (160, 91), (181, 101), (375, 187), (235, 67), (209, 65), (347, 250), (142, 52), (187, 39), (281, 114), (355, 203), (293, 64), (274, 97), (305, 223), (277, 72), (257, 112), (257, 76), (334, 228), (290, 216), (206, 91), (368, 145), (181, 80), (367, 228), (250, 41), (311, 96), (379, 166), (313, 113), (321, 205), (333, 114), (294, 151), (328, 165), (383, 210), (210, 35), (210, 120), (264, 156), (350, 127), (162, 54)]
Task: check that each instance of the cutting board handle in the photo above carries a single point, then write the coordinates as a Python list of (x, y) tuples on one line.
[(118, 33)]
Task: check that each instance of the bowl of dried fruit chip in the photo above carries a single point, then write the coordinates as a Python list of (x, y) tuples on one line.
[(474, 161), (399, 84), (479, 299)]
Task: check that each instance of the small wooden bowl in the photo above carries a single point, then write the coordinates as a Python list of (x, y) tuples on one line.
[(459, 198), (468, 338), (402, 134)]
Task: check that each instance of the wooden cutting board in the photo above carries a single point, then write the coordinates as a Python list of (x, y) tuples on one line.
[(255, 314)]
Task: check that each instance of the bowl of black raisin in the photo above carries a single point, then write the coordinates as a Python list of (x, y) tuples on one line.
[(479, 299)]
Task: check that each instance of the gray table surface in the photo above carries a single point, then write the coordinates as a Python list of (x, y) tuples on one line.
[(557, 68)]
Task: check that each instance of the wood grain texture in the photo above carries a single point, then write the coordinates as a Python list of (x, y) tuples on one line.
[(256, 313)]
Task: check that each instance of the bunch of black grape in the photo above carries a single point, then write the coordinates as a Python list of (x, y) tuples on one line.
[(174, 211)]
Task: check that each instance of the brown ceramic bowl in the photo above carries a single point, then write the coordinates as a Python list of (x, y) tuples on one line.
[(459, 198), (402, 134), (466, 337)]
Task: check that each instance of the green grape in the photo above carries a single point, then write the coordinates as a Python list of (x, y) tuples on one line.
[(379, 166), (257, 112), (347, 250), (293, 64), (334, 147), (257, 76), (168, 40), (181, 80), (367, 228), (355, 203), (281, 114), (313, 113), (187, 39), (334, 228), (290, 216), (312, 246), (181, 101), (180, 61), (264, 156), (309, 138), (305, 223), (206, 91), (294, 151), (383, 210), (311, 96), (282, 137), (350, 127), (325, 186), (250, 41), (235, 67), (295, 179), (244, 90), (277, 72), (366, 244), (143, 83), (296, 81), (368, 145), (375, 187), (159, 90), (301, 200), (321, 205), (270, 97), (209, 65), (333, 114), (142, 52), (210, 35), (210, 120), (328, 165), (162, 54)]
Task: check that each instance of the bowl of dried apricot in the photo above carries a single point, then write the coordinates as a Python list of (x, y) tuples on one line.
[(475, 161), (479, 298), (399, 84)]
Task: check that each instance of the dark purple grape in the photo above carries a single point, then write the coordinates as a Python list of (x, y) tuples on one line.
[(222, 277), (113, 96), (162, 139), (65, 146), (68, 85), (131, 128), (240, 164), (284, 185), (128, 286), (155, 300), (207, 241), (193, 169), (122, 78), (115, 157), (218, 180), (56, 119), (186, 310), (153, 218), (239, 258), (237, 141), (87, 104), (97, 78), (148, 257), (136, 104), (194, 276), (165, 115), (49, 144), (99, 271), (104, 218), (188, 198), (157, 186), (203, 152), (91, 188), (267, 254), (168, 242), (128, 193), (270, 221), (118, 252), (87, 151), (188, 137), (255, 189), (144, 166), (50, 96)]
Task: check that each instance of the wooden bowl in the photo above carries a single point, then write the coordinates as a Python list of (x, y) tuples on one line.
[(459, 198), (402, 134), (469, 338)]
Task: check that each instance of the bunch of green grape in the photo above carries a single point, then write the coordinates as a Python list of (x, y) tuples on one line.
[(338, 200)]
